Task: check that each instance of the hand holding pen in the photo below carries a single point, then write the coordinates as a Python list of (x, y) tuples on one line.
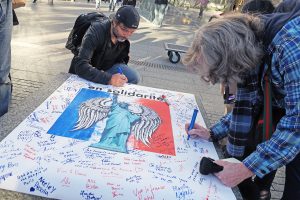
[(195, 129), (198, 130), (118, 79), (191, 126)]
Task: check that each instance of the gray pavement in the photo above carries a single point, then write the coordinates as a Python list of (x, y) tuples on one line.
[(39, 55)]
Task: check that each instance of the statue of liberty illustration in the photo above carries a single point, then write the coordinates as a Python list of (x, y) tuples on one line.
[(122, 120)]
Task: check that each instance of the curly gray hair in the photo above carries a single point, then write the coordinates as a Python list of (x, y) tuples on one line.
[(229, 47)]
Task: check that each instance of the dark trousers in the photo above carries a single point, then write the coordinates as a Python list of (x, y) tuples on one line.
[(265, 182), (202, 8), (250, 190), (291, 191), (292, 180)]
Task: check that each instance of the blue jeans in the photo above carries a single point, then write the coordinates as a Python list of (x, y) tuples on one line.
[(112, 5), (6, 23), (131, 74)]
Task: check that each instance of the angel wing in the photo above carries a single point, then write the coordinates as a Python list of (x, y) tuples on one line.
[(92, 111), (149, 122)]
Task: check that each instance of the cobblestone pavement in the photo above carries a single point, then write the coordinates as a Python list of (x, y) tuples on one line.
[(38, 55)]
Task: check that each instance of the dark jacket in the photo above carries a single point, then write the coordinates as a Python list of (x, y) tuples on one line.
[(258, 6), (161, 2), (90, 62), (287, 10), (129, 2)]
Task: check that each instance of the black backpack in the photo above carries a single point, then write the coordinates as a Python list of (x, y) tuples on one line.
[(81, 25)]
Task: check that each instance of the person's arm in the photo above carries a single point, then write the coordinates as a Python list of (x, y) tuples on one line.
[(209, 134), (284, 144), (82, 63), (221, 129)]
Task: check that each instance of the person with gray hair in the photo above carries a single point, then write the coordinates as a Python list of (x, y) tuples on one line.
[(260, 53)]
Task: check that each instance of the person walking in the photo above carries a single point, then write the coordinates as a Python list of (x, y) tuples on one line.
[(112, 5), (98, 4), (160, 9), (203, 6)]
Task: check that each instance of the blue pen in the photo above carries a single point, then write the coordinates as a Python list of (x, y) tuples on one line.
[(120, 70), (192, 122)]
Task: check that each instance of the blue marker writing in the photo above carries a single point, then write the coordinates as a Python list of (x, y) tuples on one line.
[(192, 122), (120, 70)]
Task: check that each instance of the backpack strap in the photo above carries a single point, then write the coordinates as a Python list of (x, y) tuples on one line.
[(102, 46), (267, 125), (267, 117)]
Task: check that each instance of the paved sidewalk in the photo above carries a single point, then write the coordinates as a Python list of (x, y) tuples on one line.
[(38, 55)]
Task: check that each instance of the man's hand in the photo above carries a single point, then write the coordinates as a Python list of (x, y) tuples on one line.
[(198, 130), (118, 80), (232, 173)]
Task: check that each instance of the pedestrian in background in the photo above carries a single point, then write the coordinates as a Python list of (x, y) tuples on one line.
[(119, 2), (160, 9), (112, 5), (203, 6), (98, 4), (6, 24)]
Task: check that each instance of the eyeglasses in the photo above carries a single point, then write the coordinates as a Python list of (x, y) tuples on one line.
[(125, 29), (206, 79), (228, 98), (209, 80)]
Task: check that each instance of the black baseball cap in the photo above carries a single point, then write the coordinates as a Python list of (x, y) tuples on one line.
[(128, 16)]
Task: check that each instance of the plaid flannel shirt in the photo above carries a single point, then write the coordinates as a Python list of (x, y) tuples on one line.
[(284, 144)]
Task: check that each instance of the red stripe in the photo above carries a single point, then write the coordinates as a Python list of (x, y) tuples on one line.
[(267, 109), (261, 121)]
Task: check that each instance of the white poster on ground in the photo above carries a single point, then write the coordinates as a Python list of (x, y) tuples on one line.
[(90, 141)]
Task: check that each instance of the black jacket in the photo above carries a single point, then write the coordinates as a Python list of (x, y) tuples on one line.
[(88, 64), (287, 10), (161, 2), (129, 2)]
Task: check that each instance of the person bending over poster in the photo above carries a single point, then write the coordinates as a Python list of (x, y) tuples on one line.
[(104, 52), (261, 53)]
